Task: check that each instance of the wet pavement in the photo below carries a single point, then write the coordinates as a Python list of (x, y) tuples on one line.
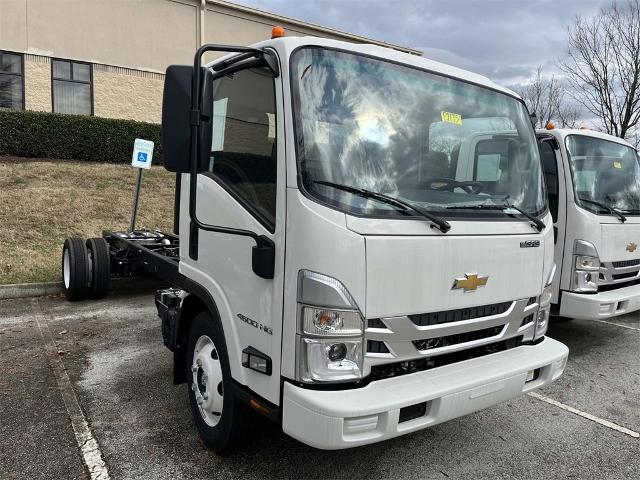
[(109, 356)]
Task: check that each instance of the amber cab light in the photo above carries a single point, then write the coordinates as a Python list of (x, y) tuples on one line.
[(277, 32)]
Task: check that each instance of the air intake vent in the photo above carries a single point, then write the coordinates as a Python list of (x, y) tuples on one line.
[(626, 263), (527, 320), (376, 323), (438, 342), (620, 276), (437, 318), (375, 346)]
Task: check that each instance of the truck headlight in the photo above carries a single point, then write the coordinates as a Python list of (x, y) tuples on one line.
[(544, 309), (330, 331), (584, 277)]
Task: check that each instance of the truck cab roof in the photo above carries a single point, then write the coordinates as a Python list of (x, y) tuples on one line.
[(562, 133), (286, 45)]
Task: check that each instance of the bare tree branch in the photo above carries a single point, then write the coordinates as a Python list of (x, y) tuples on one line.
[(603, 66), (547, 98)]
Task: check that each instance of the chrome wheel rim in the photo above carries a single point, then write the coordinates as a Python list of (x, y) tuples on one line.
[(66, 268), (206, 381)]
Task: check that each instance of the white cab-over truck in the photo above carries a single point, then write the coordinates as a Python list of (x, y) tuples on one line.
[(332, 267), (593, 182)]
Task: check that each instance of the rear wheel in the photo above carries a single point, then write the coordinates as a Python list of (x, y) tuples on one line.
[(75, 269), (99, 266), (217, 412)]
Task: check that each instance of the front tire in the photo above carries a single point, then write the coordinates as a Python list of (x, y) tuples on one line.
[(217, 412)]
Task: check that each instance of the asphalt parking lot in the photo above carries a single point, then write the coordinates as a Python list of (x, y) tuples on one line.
[(97, 370)]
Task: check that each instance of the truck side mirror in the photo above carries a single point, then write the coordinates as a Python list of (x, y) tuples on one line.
[(177, 121)]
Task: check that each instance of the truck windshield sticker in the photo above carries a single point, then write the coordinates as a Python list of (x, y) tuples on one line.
[(617, 164), (449, 117)]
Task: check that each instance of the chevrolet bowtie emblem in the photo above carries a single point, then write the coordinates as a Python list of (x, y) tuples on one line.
[(471, 281), (632, 247)]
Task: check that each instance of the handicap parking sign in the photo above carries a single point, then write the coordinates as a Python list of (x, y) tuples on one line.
[(142, 153)]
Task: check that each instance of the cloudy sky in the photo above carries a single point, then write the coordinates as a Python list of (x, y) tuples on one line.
[(503, 39)]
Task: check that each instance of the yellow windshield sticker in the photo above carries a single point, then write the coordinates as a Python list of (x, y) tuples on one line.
[(449, 117), (617, 164)]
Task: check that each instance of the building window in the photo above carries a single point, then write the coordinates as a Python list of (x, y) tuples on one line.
[(72, 87), (11, 80)]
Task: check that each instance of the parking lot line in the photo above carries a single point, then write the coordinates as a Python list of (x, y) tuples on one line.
[(588, 416), (617, 324), (89, 448)]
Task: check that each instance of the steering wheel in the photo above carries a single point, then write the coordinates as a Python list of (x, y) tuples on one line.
[(450, 184)]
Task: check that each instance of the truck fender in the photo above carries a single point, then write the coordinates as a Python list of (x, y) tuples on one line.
[(197, 300)]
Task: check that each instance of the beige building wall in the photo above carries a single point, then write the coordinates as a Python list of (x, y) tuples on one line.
[(130, 44), (139, 34), (37, 83), (124, 93)]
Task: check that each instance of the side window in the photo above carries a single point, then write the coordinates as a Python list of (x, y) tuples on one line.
[(243, 150), (550, 167)]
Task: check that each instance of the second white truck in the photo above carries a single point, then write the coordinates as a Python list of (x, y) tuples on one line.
[(593, 183)]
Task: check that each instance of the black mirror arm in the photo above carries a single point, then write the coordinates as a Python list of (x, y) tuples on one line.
[(264, 245)]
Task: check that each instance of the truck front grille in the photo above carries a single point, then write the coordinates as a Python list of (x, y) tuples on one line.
[(433, 334), (379, 372), (620, 274)]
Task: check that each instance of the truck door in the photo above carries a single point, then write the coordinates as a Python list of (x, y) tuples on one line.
[(557, 195), (243, 188)]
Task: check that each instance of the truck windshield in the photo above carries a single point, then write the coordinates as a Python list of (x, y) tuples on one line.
[(606, 175), (439, 143)]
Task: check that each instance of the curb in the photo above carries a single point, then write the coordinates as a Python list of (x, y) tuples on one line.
[(25, 290)]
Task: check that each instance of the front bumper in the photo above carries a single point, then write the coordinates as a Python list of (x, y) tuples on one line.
[(600, 305), (348, 418)]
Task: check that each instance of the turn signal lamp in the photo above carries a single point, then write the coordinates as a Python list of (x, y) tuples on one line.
[(277, 32), (550, 126)]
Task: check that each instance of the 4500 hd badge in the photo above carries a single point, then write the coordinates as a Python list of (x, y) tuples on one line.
[(255, 324)]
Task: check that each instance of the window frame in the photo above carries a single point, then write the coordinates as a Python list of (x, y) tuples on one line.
[(21, 74), (232, 191), (554, 214), (90, 82)]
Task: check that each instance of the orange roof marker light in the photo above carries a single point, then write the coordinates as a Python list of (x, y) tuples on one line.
[(277, 32), (550, 126)]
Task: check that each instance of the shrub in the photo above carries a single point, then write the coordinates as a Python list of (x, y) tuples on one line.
[(74, 137)]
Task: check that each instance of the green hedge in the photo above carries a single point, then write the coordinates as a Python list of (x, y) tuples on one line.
[(73, 137)]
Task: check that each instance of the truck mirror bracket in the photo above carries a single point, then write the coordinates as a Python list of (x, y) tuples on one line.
[(263, 257)]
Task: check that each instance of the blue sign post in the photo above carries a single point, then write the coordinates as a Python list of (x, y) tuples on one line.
[(141, 159)]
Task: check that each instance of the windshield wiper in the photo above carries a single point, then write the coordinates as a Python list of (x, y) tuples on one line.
[(536, 223), (605, 207), (436, 222)]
